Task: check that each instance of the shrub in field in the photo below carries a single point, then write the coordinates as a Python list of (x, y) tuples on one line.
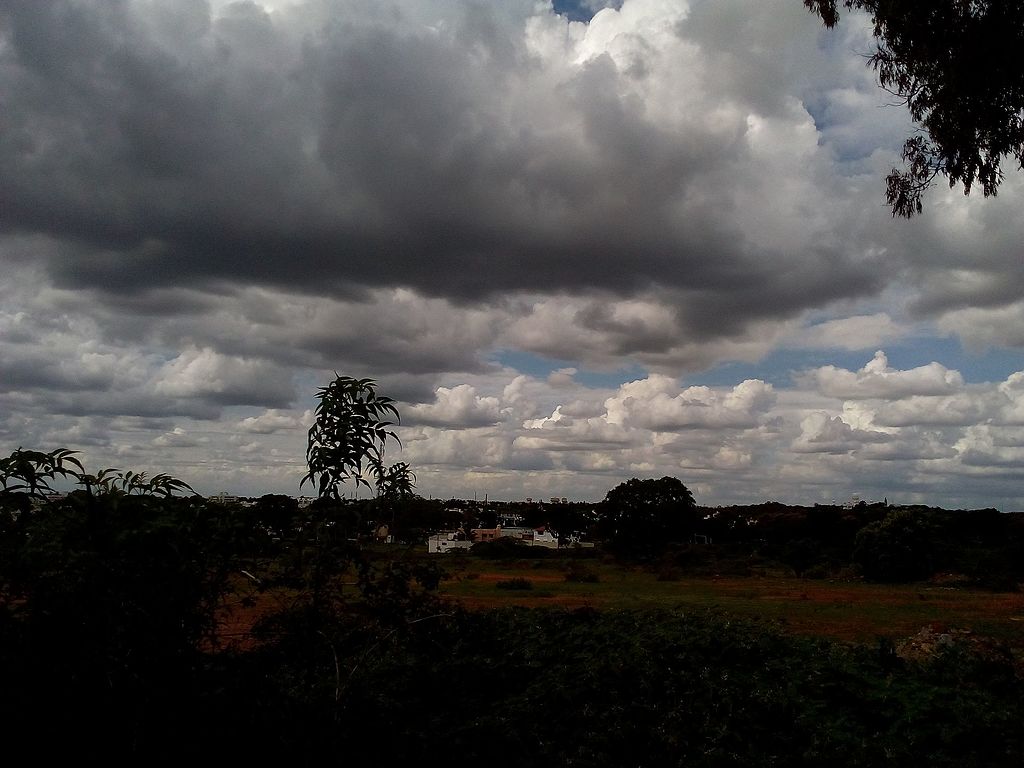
[(669, 573), (504, 548), (516, 583), (817, 571), (895, 549), (579, 573)]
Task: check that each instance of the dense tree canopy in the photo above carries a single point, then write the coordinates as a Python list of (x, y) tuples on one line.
[(956, 64), (898, 548), (639, 517)]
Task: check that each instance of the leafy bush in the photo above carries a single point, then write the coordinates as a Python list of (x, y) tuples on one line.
[(503, 548), (895, 549), (668, 688), (108, 612), (580, 574), (817, 571), (669, 573)]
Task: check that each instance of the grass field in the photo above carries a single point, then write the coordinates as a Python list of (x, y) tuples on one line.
[(843, 610)]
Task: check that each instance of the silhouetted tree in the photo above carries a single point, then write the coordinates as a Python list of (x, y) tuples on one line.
[(640, 517), (277, 513), (348, 435)]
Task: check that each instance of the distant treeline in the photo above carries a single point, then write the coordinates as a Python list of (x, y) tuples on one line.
[(874, 541), (878, 542)]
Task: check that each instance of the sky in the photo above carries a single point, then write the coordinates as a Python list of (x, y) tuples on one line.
[(577, 243)]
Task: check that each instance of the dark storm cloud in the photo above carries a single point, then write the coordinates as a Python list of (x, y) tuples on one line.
[(106, 404), (209, 209), (68, 390), (39, 372), (163, 145)]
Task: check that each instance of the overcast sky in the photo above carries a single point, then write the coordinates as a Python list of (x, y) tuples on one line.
[(578, 244)]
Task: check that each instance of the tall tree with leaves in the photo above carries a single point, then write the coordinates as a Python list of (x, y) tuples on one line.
[(957, 67), (349, 435)]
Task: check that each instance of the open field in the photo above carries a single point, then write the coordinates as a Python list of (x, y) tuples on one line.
[(847, 611)]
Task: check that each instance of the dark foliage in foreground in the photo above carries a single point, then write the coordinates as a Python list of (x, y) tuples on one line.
[(109, 600), (527, 687), (522, 687)]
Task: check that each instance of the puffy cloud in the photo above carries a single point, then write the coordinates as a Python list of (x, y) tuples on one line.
[(877, 380), (1012, 412), (560, 433), (274, 420), (656, 403), (821, 433), (962, 409), (478, 449), (459, 406), (986, 448), (178, 438), (981, 327), (853, 333), (562, 377), (914, 447), (224, 379), (731, 458)]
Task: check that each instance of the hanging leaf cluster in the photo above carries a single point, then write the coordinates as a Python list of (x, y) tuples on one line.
[(956, 66)]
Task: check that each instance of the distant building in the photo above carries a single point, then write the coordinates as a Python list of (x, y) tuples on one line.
[(49, 498), (542, 538), (446, 542), (534, 537), (486, 534), (509, 519)]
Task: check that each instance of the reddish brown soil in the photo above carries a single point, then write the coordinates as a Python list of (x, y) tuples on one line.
[(841, 611)]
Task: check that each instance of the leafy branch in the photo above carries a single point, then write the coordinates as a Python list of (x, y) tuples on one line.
[(348, 436), (32, 471)]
